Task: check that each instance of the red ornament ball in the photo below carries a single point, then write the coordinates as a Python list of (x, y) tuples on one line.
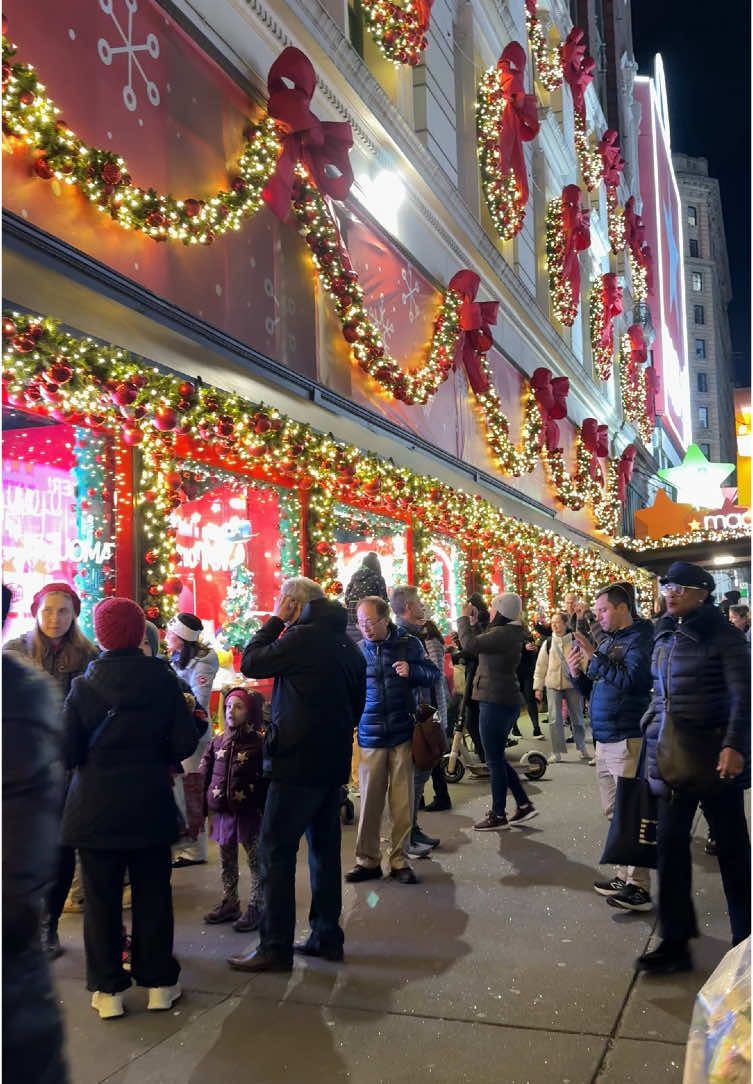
[(186, 389), (425, 586), (9, 328), (154, 590), (60, 372), (111, 173), (150, 557), (152, 612), (132, 435), (166, 419), (350, 333), (173, 586), (192, 207)]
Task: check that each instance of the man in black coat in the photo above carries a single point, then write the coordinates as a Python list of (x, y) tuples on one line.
[(318, 698), (32, 798), (701, 672)]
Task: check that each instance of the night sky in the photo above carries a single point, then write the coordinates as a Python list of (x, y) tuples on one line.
[(706, 54)]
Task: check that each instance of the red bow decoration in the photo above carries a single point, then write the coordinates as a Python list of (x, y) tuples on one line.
[(638, 351), (612, 161), (652, 390), (577, 67), (318, 144), (577, 236), (612, 302), (519, 123), (595, 439), (551, 395), (625, 471), (475, 338), (634, 231)]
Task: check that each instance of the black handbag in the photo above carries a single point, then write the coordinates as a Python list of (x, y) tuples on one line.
[(687, 758), (631, 839)]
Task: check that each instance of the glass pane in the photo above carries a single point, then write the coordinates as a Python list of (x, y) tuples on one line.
[(358, 533)]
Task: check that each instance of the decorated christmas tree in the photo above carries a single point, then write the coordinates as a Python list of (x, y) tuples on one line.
[(239, 605)]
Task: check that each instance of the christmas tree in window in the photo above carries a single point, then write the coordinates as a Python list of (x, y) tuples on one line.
[(240, 601)]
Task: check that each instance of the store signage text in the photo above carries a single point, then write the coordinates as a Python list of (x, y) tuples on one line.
[(732, 521)]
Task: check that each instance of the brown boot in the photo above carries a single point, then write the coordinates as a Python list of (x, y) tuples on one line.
[(225, 911), (249, 920)]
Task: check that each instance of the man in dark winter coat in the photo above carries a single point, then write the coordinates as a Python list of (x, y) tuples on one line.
[(32, 796), (316, 704), (618, 681), (701, 672), (395, 666)]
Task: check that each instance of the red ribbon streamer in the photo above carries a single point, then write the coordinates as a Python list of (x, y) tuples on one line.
[(611, 159), (519, 123), (577, 67), (551, 395), (638, 351), (625, 471), (475, 337), (318, 144), (577, 236), (595, 439), (611, 299), (652, 390)]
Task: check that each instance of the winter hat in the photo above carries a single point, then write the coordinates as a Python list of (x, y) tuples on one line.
[(63, 589), (152, 636), (187, 626), (371, 561), (509, 606), (254, 703), (118, 623), (686, 575)]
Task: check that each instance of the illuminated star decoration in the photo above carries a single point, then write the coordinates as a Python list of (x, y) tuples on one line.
[(674, 255), (696, 480)]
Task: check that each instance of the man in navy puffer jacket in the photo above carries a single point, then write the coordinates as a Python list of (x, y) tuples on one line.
[(618, 682), (395, 665)]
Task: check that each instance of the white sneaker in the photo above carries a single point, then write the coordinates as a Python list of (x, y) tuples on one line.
[(163, 997), (107, 1005), (554, 758), (592, 762)]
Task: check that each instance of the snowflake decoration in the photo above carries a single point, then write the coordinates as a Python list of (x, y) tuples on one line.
[(413, 289), (381, 321), (150, 46)]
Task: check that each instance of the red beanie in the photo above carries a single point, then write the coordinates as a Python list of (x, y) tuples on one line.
[(254, 703), (63, 589), (119, 623)]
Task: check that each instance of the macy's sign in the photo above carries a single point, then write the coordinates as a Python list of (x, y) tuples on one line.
[(731, 521)]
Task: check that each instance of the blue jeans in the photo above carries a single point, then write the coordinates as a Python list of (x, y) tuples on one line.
[(496, 721), (574, 701), (290, 811)]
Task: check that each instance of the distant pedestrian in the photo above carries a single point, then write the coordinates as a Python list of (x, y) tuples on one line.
[(235, 792), (552, 675), (366, 581), (739, 616)]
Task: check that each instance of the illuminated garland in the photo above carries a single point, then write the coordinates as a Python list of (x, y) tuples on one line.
[(564, 305), (548, 59), (399, 32), (502, 195), (615, 221), (638, 278), (591, 165), (634, 393), (673, 541), (601, 329)]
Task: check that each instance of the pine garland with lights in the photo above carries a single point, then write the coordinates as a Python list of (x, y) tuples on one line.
[(601, 328), (591, 165), (502, 195), (564, 305), (400, 32), (634, 393), (638, 278), (615, 221), (675, 541), (548, 58)]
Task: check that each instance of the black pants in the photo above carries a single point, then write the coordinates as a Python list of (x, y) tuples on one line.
[(726, 816), (32, 1029), (290, 811), (152, 960), (63, 880), (472, 726), (439, 782)]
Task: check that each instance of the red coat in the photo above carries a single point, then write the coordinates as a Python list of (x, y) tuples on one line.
[(232, 772)]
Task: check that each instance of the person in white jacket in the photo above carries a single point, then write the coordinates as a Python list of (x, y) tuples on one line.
[(552, 674), (197, 664)]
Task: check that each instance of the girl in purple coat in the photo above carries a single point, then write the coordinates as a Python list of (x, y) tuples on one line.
[(235, 795)]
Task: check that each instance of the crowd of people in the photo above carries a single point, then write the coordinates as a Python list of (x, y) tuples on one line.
[(125, 768)]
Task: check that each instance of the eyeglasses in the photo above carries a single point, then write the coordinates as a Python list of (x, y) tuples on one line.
[(677, 589), (369, 623)]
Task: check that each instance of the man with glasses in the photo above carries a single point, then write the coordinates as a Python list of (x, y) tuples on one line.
[(701, 672), (395, 666), (617, 680)]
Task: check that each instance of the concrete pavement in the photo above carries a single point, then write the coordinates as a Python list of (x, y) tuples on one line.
[(502, 965)]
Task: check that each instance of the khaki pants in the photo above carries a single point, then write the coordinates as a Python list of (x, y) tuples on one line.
[(384, 773), (613, 759)]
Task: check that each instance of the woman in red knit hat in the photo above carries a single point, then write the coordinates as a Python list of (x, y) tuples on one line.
[(124, 723)]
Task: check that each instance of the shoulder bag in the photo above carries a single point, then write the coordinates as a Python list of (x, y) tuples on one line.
[(428, 739), (631, 839)]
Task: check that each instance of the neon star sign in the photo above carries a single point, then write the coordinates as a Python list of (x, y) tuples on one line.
[(697, 481)]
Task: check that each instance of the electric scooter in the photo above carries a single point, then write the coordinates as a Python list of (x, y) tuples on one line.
[(531, 762)]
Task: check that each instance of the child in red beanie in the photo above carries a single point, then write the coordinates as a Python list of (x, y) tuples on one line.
[(235, 795)]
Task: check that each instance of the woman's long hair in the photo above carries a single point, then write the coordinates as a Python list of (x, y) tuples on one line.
[(74, 641)]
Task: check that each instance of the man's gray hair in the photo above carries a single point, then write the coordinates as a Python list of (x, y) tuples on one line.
[(301, 589), (401, 596)]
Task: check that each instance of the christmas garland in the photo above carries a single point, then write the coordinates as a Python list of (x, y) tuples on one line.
[(399, 32), (634, 392), (548, 59), (615, 221), (591, 165), (638, 278), (673, 541), (605, 304)]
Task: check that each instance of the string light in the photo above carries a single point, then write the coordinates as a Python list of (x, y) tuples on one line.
[(634, 392), (548, 58), (502, 195), (400, 33)]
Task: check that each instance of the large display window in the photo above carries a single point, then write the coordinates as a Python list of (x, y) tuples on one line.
[(357, 533), (59, 513), (447, 574)]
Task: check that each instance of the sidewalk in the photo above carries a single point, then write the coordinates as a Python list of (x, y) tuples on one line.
[(502, 966)]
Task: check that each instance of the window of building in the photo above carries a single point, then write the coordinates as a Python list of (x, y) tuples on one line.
[(703, 382), (703, 417), (700, 349), (692, 215), (693, 246), (696, 281), (706, 449), (698, 314)]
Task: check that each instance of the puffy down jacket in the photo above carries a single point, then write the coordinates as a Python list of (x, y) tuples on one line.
[(386, 718)]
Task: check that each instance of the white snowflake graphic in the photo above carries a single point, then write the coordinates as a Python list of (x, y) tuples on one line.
[(413, 289), (150, 46), (380, 320)]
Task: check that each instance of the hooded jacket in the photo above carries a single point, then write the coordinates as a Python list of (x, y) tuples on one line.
[(551, 671), (618, 682), (498, 650), (391, 699), (318, 694), (125, 721), (232, 772), (702, 664)]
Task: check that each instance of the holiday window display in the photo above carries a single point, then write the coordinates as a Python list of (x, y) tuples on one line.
[(358, 532)]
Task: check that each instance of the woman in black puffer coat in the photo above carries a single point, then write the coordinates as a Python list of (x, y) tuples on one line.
[(126, 722), (701, 667)]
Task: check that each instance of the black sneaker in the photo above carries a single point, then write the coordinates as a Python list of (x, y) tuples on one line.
[(668, 958), (632, 898), (417, 836), (335, 953), (437, 805), (610, 888), (524, 813), (492, 823), (405, 876), (363, 873)]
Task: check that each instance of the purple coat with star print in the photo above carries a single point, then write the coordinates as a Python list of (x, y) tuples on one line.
[(233, 784)]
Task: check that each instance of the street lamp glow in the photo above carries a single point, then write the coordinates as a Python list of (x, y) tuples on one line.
[(382, 196)]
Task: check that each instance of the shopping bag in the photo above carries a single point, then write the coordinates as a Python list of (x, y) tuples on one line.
[(429, 740), (719, 1041), (631, 840)]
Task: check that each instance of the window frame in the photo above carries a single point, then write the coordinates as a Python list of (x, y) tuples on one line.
[(692, 220), (696, 282), (703, 417), (702, 383), (698, 310), (702, 355), (693, 244)]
